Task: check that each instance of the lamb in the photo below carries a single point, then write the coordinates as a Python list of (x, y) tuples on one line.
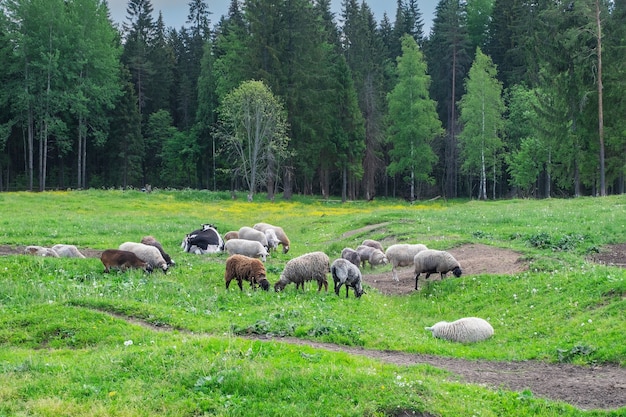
[(272, 239), (465, 330), (372, 255), (40, 251), (430, 261), (345, 272), (146, 253), (149, 240), (250, 248), (307, 267), (205, 240), (352, 256), (67, 251), (280, 234), (249, 233), (402, 254), (122, 259), (241, 268), (231, 235), (374, 244)]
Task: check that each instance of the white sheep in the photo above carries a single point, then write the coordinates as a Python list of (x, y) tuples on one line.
[(40, 251), (431, 261), (374, 244), (465, 330), (280, 233), (308, 267), (249, 233), (352, 256), (250, 248), (67, 251), (147, 253), (372, 255), (272, 239), (345, 272), (150, 240), (402, 254)]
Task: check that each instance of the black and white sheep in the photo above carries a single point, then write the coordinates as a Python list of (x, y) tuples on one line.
[(308, 267), (149, 240), (280, 234), (372, 255), (465, 330), (67, 251), (346, 273), (146, 253), (202, 241), (402, 254), (250, 248), (241, 268), (249, 233), (374, 244), (40, 251), (352, 256), (122, 260), (431, 261)]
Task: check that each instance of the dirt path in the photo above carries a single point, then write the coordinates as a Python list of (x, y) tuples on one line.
[(599, 387)]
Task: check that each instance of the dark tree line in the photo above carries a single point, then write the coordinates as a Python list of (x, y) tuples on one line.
[(86, 103)]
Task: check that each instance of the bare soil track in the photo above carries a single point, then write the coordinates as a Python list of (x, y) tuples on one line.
[(595, 387)]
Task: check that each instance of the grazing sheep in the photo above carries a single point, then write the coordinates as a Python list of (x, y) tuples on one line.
[(40, 251), (280, 234), (374, 244), (372, 255), (308, 267), (272, 239), (352, 256), (402, 254), (122, 260), (205, 240), (465, 330), (430, 261), (345, 272), (146, 253), (250, 248), (249, 233), (231, 235), (67, 251), (241, 268), (149, 240)]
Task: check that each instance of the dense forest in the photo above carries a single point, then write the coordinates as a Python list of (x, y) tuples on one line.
[(502, 98)]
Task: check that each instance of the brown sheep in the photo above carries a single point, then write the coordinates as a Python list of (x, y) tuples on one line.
[(241, 268), (233, 234), (122, 259), (280, 234)]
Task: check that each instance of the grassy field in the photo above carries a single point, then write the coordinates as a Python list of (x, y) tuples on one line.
[(69, 348)]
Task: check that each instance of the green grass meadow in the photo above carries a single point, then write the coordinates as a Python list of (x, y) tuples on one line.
[(72, 341)]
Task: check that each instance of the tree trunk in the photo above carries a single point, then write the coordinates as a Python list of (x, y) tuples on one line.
[(344, 184), (288, 183), (482, 194), (600, 110)]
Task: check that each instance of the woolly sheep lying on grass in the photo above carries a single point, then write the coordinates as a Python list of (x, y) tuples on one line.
[(146, 253), (352, 256), (280, 234), (308, 267), (241, 268), (40, 251), (346, 273), (249, 233), (67, 251), (402, 254), (122, 260), (372, 255), (250, 248), (465, 330), (149, 240), (431, 261)]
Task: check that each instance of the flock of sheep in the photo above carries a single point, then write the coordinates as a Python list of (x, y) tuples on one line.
[(249, 247)]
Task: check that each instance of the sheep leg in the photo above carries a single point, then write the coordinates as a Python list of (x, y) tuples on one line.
[(347, 286), (395, 274), (416, 279), (337, 287), (240, 284)]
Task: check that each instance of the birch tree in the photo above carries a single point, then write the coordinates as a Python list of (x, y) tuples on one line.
[(481, 112)]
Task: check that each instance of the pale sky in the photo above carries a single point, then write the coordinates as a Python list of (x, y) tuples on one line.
[(175, 11)]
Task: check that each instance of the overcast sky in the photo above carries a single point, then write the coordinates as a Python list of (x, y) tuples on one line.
[(175, 11)]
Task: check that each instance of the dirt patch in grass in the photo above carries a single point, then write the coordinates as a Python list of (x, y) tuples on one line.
[(593, 387)]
